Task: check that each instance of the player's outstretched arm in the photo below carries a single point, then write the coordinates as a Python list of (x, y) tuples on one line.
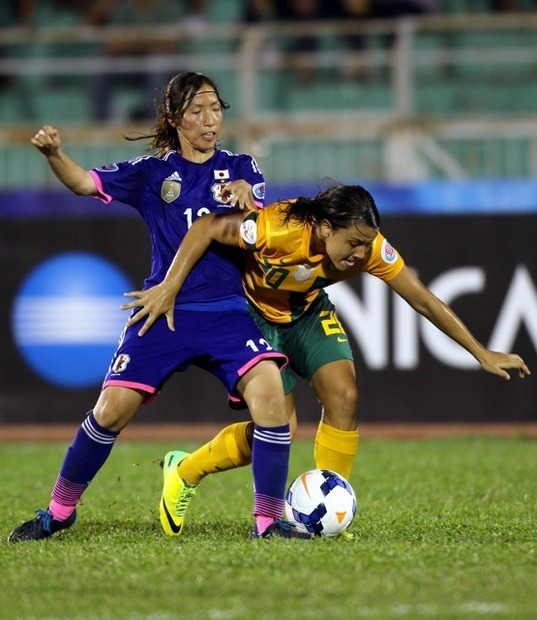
[(47, 141), (160, 299), (410, 288)]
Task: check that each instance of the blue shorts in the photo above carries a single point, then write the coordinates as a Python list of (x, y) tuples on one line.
[(226, 343)]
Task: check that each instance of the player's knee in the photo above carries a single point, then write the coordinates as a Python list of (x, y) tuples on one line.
[(267, 409), (340, 405), (342, 398), (106, 417), (116, 407)]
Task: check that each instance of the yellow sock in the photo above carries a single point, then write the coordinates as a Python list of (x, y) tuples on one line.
[(335, 449), (228, 450)]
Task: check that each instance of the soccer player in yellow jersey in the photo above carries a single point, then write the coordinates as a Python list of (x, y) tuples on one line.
[(292, 250)]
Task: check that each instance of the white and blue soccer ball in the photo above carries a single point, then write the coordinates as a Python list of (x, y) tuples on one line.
[(320, 501)]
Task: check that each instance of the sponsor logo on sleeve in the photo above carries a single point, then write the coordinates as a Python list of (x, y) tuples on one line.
[(303, 273), (248, 232), (108, 168), (388, 253), (259, 191)]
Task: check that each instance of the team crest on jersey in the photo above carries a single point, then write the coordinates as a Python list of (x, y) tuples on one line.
[(388, 253), (121, 362), (303, 273), (217, 190), (170, 190)]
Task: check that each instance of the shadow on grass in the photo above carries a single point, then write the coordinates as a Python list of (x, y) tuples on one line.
[(126, 530)]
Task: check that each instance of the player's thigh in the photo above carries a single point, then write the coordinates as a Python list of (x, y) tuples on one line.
[(275, 335), (236, 352), (291, 413), (262, 390)]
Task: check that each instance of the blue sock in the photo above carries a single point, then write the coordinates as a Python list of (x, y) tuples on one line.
[(270, 465), (84, 458)]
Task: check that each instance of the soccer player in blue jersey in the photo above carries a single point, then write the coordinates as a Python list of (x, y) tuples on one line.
[(186, 177), (292, 250)]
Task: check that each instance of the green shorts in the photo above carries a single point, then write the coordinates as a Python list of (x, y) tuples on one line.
[(315, 339)]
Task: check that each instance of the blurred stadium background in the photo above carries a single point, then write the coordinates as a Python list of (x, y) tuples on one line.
[(436, 114)]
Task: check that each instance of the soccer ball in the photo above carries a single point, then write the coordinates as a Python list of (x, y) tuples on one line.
[(321, 502)]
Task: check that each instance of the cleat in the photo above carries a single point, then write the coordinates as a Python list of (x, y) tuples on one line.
[(281, 529), (42, 526), (176, 495), (346, 535)]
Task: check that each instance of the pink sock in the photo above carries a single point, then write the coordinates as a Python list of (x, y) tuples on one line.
[(59, 511), (263, 522)]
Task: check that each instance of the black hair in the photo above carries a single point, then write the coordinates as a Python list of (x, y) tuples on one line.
[(174, 101), (341, 205)]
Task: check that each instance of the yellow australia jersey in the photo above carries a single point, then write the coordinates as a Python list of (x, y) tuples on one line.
[(281, 275)]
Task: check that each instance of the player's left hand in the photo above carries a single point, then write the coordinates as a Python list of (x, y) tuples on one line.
[(152, 303), (240, 195), (499, 363)]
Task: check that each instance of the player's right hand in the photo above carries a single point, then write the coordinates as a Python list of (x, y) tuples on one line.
[(499, 364), (239, 193), (47, 140), (152, 303)]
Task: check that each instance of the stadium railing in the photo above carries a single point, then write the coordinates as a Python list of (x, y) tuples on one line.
[(445, 96)]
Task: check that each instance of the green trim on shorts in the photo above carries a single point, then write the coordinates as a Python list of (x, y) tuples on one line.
[(311, 341)]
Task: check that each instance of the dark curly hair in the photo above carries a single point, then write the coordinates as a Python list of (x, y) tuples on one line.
[(342, 205), (174, 101)]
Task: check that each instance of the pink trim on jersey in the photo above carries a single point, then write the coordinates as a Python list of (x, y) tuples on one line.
[(130, 384), (259, 204), (151, 391), (102, 195), (277, 357)]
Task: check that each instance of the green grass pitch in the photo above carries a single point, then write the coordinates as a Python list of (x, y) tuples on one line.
[(445, 529)]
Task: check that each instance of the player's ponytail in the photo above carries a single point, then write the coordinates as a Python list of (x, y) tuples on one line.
[(341, 205)]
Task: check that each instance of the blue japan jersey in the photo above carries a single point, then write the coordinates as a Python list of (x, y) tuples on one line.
[(170, 193)]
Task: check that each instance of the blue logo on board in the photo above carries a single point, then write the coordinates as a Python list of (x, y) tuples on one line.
[(66, 319)]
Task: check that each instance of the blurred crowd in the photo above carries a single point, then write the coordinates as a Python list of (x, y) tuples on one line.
[(195, 14), (98, 12), (101, 12)]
